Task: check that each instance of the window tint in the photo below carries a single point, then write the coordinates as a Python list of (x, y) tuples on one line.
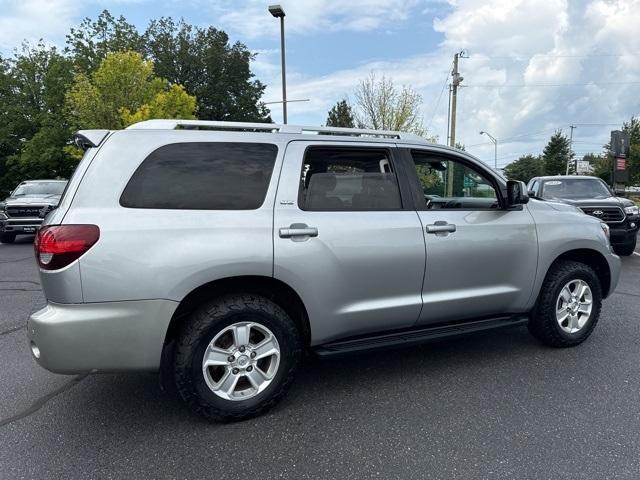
[(202, 176), (348, 179), (452, 185)]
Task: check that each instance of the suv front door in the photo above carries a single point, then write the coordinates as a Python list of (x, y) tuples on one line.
[(347, 239), (481, 258)]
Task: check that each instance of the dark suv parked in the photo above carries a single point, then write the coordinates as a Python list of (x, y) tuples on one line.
[(594, 198), (22, 212)]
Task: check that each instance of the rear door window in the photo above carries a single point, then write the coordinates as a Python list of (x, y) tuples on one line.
[(348, 179), (202, 176)]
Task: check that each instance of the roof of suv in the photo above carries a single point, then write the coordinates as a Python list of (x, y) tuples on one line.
[(247, 127), (93, 138)]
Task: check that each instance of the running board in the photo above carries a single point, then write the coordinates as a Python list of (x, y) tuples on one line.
[(416, 336)]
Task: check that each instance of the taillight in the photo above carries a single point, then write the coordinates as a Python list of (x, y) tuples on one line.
[(56, 246)]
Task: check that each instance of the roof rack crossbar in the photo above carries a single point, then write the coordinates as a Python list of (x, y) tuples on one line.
[(271, 128)]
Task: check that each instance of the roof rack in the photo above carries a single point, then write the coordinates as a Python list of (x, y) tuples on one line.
[(270, 128)]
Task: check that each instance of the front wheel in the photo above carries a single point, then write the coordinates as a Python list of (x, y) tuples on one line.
[(626, 250), (568, 306), (236, 357)]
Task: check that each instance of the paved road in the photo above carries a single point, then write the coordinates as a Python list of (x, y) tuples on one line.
[(490, 406)]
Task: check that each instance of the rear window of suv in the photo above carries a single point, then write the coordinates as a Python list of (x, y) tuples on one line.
[(202, 176)]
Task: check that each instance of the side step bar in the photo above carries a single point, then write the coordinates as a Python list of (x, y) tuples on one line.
[(415, 336)]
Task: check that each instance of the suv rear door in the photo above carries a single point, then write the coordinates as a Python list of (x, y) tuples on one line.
[(481, 258), (347, 238)]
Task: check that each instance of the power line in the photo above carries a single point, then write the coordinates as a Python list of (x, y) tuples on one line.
[(435, 110)]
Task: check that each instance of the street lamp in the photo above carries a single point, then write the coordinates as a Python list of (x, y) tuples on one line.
[(278, 12), (495, 147)]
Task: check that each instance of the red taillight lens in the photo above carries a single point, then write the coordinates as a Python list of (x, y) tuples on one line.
[(56, 246)]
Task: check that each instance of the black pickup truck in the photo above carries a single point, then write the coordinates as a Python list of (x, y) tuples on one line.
[(593, 197), (21, 213)]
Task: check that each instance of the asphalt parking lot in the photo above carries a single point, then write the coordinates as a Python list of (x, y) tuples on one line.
[(495, 405)]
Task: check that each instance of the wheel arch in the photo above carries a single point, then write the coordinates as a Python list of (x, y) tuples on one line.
[(275, 290), (593, 259)]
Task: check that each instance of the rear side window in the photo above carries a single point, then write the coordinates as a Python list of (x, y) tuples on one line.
[(202, 176), (348, 179)]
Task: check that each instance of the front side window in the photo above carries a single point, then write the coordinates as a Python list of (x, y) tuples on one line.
[(202, 176), (449, 184), (348, 179)]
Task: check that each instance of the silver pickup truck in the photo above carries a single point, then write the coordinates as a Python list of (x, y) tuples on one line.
[(21, 213), (218, 253)]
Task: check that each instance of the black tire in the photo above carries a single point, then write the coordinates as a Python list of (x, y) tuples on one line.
[(543, 324), (202, 327), (625, 250), (7, 237)]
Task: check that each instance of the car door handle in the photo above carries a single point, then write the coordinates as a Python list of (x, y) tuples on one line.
[(441, 227), (297, 230)]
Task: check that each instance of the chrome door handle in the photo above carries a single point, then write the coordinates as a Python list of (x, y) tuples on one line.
[(298, 230), (441, 227)]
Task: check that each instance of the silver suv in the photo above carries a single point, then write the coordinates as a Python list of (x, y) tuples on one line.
[(219, 253)]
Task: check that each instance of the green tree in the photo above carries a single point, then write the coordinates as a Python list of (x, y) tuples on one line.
[(122, 90), (341, 115), (556, 154), (90, 42), (36, 126), (209, 67), (633, 161), (525, 168)]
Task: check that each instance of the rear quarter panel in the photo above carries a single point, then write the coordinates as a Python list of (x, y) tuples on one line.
[(165, 254)]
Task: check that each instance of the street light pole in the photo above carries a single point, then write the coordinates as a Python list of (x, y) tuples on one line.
[(495, 148), (278, 12)]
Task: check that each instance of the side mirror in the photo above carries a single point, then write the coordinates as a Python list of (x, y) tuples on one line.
[(516, 193)]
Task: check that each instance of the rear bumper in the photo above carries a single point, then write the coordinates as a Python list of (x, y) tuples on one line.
[(105, 337)]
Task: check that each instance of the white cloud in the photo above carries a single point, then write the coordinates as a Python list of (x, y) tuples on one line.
[(34, 19), (518, 43), (309, 16)]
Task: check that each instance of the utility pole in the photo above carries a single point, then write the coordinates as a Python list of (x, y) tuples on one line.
[(449, 116), (455, 83), (454, 97)]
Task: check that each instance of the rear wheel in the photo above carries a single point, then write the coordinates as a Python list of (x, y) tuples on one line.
[(568, 306), (626, 250), (236, 357), (7, 237)]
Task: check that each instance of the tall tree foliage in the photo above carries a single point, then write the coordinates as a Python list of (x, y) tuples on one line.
[(341, 115), (633, 162), (36, 129), (525, 168), (123, 90), (90, 42), (556, 154), (209, 67)]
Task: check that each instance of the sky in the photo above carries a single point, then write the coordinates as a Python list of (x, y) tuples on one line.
[(533, 66)]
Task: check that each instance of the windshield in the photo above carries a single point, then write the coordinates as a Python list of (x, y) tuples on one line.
[(40, 188), (574, 188)]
